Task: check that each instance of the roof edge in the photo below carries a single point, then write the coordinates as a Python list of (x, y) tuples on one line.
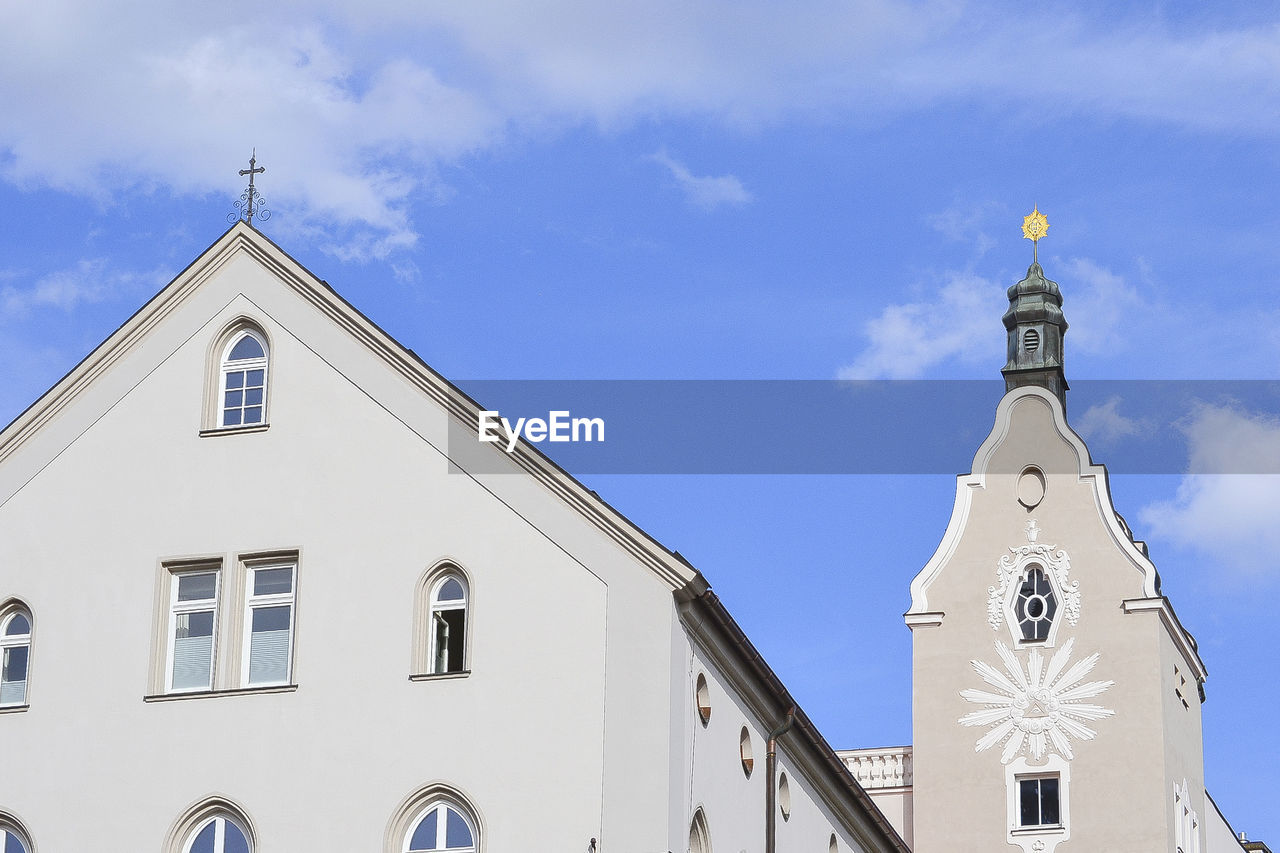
[(240, 237), (710, 622)]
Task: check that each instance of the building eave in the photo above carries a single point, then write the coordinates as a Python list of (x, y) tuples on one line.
[(738, 659)]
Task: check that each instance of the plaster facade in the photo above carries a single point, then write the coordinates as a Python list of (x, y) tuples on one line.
[(572, 726)]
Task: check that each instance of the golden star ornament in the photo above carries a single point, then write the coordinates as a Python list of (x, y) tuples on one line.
[(1034, 225)]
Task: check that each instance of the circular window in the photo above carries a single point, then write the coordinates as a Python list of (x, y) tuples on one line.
[(744, 752), (1031, 486), (833, 846), (784, 796), (1031, 340), (703, 698)]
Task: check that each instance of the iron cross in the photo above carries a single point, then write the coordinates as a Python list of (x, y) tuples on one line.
[(251, 171)]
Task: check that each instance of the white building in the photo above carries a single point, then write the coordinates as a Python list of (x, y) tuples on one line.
[(1056, 699), (248, 603)]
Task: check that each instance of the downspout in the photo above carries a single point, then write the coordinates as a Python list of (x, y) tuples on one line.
[(771, 782)]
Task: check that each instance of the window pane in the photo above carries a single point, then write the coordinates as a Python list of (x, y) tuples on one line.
[(424, 837), (15, 664), (253, 397), (235, 379), (1049, 801), (197, 587), (246, 347), (18, 626), (255, 379), (441, 643), (198, 624), (457, 834), (271, 618), (234, 841), (1028, 799), (231, 417), (193, 650), (12, 844), (13, 684), (233, 399), (269, 645), (451, 590), (253, 415), (454, 638), (204, 841), (272, 581)]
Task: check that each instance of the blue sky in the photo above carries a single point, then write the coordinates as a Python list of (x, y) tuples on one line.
[(560, 190)]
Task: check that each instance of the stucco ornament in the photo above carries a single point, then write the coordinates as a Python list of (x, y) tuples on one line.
[(1009, 572), (1039, 710)]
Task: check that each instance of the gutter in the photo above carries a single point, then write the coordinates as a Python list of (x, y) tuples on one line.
[(708, 606)]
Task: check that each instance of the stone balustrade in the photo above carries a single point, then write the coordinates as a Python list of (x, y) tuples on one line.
[(889, 767)]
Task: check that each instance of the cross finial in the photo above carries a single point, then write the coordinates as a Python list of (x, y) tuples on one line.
[(1034, 226), (250, 203)]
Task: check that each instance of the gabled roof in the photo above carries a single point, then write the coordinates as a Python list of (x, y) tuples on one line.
[(751, 676), (244, 239)]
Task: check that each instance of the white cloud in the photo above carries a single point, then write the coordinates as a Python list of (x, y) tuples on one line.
[(1220, 509), (355, 109), (89, 281), (907, 340), (1105, 423), (1097, 303), (708, 191)]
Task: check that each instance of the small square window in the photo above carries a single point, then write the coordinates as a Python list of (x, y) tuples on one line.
[(1038, 803)]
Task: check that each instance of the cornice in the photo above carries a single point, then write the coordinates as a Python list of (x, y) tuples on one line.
[(1177, 633)]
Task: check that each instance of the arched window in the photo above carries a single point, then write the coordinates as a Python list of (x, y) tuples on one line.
[(699, 834), (242, 399), (442, 826), (214, 825), (15, 655), (442, 610), (12, 838), (1035, 606), (219, 834), (448, 651)]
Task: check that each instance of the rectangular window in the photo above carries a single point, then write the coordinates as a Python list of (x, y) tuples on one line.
[(1038, 802), (193, 615), (268, 624)]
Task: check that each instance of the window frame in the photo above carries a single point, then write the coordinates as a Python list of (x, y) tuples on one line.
[(219, 365), (425, 607), (699, 832), (1023, 778), (414, 808), (441, 807), (254, 602), (219, 822), (10, 825), (1050, 602), (232, 637), (183, 832), (1047, 836), (1021, 574), (177, 608), (8, 612)]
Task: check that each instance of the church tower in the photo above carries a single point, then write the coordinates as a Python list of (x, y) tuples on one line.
[(1056, 696)]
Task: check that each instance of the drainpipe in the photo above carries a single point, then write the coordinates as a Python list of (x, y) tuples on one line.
[(771, 782)]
